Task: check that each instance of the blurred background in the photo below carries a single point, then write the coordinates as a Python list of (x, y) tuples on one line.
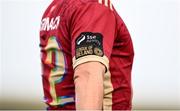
[(155, 29)]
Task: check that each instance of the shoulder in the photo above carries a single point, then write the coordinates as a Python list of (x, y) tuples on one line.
[(104, 3), (81, 3)]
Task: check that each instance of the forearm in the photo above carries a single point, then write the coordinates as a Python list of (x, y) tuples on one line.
[(89, 89)]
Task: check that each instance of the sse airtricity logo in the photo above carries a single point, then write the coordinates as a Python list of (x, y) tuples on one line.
[(82, 38), (50, 23)]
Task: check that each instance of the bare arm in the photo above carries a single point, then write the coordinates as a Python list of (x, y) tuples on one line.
[(89, 86)]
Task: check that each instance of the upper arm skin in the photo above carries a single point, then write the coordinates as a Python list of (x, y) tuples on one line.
[(89, 68), (88, 80)]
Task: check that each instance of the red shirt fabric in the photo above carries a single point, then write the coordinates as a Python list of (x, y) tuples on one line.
[(77, 31)]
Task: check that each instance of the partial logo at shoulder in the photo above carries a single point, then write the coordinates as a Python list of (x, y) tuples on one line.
[(106, 3)]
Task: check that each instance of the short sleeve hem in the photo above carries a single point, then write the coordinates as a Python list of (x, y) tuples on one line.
[(89, 58)]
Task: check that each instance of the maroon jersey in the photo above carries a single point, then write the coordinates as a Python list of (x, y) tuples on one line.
[(78, 31)]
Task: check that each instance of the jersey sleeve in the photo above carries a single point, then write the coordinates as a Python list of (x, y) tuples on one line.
[(92, 34)]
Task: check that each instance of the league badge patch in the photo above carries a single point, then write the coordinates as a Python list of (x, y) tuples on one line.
[(88, 43)]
